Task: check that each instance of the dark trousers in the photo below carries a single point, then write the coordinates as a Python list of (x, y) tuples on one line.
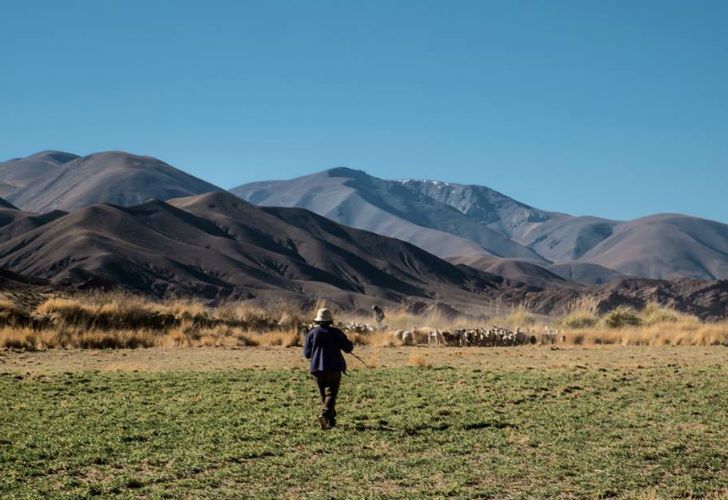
[(328, 384)]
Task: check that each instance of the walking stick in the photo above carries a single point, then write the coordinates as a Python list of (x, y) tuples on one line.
[(362, 361)]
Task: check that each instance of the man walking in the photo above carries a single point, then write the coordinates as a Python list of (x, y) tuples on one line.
[(323, 347), (378, 314)]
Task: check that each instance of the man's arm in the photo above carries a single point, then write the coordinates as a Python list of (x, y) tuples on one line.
[(308, 346), (344, 342)]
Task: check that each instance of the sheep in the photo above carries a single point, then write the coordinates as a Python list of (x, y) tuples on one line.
[(550, 336), (407, 338), (521, 337), (435, 338), (449, 338)]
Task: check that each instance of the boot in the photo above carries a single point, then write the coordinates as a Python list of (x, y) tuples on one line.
[(324, 421)]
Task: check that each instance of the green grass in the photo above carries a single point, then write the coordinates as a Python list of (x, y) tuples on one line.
[(402, 433)]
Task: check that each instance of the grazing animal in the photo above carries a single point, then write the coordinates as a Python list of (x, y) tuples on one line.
[(408, 338), (435, 338), (550, 336)]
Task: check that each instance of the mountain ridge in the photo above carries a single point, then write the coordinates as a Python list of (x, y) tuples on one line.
[(500, 226), (466, 224), (110, 176)]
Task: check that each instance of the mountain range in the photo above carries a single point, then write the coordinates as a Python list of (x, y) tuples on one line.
[(115, 219), (217, 246), (474, 224)]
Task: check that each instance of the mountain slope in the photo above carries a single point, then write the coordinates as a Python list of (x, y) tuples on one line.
[(390, 208), (586, 273), (486, 206), (665, 246), (471, 224), (517, 272), (110, 177), (216, 245), (22, 172), (461, 223)]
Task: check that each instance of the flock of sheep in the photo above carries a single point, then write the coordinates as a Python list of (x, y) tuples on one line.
[(494, 336)]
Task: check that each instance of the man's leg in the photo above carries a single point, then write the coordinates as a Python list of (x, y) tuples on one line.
[(331, 391), (321, 383)]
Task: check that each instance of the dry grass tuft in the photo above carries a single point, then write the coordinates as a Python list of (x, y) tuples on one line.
[(582, 314), (675, 334), (654, 314), (111, 312), (518, 317), (12, 314), (419, 361)]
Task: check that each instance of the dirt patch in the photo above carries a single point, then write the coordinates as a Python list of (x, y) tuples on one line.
[(221, 358)]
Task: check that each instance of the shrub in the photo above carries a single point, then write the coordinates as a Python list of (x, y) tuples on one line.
[(622, 316), (582, 314), (579, 320), (654, 314)]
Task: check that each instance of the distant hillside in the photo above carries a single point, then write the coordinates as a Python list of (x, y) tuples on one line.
[(216, 245), (112, 177), (21, 172), (465, 224), (468, 224), (390, 208)]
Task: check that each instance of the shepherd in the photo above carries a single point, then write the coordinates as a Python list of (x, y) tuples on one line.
[(378, 314), (323, 347)]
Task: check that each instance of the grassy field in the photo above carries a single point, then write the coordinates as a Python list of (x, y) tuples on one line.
[(522, 422)]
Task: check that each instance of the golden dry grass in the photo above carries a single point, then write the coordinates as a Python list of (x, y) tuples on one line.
[(692, 333), (126, 321), (419, 361)]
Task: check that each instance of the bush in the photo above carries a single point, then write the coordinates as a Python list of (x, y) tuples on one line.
[(622, 316), (654, 314), (580, 319)]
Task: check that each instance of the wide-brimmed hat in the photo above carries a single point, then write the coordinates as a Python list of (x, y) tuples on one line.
[(324, 316)]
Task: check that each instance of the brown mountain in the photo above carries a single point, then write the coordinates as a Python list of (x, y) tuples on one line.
[(111, 177), (216, 245)]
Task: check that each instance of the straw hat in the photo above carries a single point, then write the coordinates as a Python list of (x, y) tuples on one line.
[(324, 316)]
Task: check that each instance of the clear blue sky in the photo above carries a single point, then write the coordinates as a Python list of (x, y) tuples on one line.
[(615, 108)]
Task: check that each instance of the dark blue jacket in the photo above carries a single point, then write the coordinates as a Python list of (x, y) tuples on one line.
[(323, 347)]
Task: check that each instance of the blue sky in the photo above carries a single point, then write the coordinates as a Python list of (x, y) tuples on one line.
[(617, 108)]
